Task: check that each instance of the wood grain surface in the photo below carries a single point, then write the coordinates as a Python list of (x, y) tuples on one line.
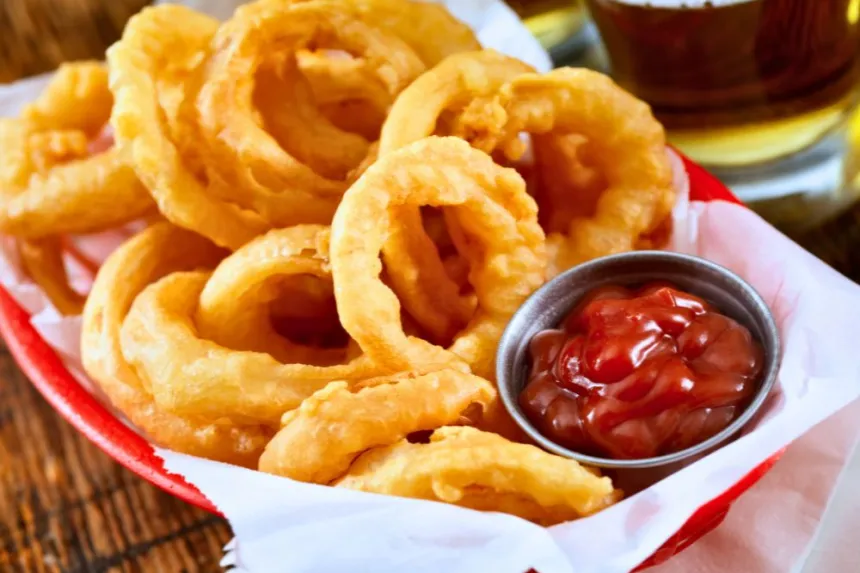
[(64, 505), (67, 507), (38, 35)]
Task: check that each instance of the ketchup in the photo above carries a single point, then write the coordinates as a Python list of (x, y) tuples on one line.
[(639, 373)]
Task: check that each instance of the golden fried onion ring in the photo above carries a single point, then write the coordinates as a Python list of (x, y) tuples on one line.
[(188, 373), (417, 274), (154, 70), (357, 438), (489, 204), (145, 258), (50, 183), (450, 85), (235, 307), (319, 440), (245, 154), (481, 470), (627, 145)]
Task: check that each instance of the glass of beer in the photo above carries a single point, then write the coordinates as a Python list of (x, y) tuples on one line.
[(761, 92)]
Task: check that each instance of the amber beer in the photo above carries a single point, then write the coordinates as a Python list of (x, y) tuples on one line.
[(737, 82)]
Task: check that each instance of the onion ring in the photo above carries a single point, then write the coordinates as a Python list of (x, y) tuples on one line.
[(489, 204), (154, 253), (468, 467), (154, 70), (245, 155), (49, 182), (634, 160), (414, 266), (319, 440), (216, 381)]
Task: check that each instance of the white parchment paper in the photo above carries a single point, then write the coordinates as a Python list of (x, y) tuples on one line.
[(282, 525)]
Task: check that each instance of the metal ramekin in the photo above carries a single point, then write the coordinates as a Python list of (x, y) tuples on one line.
[(547, 307)]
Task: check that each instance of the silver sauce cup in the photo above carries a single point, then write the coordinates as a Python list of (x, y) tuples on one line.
[(548, 306)]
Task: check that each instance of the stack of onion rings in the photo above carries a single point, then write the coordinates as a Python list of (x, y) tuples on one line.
[(345, 237), (250, 116)]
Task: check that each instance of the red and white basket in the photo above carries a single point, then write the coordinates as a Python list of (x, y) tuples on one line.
[(81, 409)]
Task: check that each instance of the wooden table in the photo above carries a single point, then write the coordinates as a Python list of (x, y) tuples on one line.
[(64, 505), (67, 507)]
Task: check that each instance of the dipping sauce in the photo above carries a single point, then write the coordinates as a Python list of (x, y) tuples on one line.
[(638, 373)]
